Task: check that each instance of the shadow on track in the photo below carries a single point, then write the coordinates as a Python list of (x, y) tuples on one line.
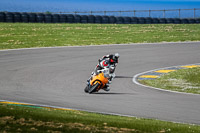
[(111, 93), (120, 77)]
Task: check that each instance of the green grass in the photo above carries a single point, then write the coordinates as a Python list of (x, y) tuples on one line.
[(26, 35), (26, 119), (184, 80)]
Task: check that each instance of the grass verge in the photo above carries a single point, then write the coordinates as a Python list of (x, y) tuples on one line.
[(26, 35), (183, 80), (26, 119)]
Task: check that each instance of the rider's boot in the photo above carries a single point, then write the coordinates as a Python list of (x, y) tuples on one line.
[(106, 87)]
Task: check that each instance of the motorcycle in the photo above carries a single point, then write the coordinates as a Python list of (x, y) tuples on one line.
[(99, 81)]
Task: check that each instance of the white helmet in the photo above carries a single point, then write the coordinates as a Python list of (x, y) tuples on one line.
[(116, 55)]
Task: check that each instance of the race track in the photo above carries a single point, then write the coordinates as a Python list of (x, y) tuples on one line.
[(57, 77)]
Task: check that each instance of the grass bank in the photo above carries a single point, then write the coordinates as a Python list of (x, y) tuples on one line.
[(183, 80), (26, 119), (26, 35)]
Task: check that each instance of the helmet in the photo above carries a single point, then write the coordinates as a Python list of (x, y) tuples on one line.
[(114, 58), (116, 55)]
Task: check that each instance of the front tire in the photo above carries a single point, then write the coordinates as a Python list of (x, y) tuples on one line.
[(86, 89), (93, 88)]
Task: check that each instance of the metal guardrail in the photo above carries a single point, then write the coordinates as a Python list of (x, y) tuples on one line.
[(135, 13)]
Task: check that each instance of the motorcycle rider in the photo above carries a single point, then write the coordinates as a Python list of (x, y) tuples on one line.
[(103, 62)]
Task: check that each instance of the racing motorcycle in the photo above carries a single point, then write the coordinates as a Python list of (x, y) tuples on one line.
[(98, 81)]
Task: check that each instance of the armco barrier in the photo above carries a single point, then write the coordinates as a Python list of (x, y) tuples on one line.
[(25, 17)]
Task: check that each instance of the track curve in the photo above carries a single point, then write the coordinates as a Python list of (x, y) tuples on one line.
[(56, 77)]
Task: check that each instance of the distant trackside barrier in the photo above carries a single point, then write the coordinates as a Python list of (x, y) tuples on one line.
[(23, 17)]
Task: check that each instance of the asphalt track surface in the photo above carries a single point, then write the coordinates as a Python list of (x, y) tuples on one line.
[(57, 77)]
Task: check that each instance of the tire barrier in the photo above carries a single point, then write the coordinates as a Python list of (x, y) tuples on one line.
[(77, 19), (198, 20), (184, 21), (32, 17), (98, 19), (84, 19), (2, 17), (26, 17), (149, 20), (141, 20), (127, 20), (169, 20), (17, 17), (91, 19), (155, 21), (55, 18), (9, 17), (191, 21), (134, 20), (177, 21), (40, 18), (105, 20), (119, 20), (70, 18), (162, 21), (63, 18), (48, 18), (112, 19)]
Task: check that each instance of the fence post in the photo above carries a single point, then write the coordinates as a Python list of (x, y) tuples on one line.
[(149, 13), (179, 13), (164, 13), (194, 13), (134, 13)]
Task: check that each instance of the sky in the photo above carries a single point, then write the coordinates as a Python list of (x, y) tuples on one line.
[(94, 5)]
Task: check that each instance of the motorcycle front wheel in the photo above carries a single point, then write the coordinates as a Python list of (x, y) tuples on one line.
[(93, 88), (86, 89)]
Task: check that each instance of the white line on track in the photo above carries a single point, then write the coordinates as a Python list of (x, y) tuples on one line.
[(104, 113), (137, 75), (107, 45)]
